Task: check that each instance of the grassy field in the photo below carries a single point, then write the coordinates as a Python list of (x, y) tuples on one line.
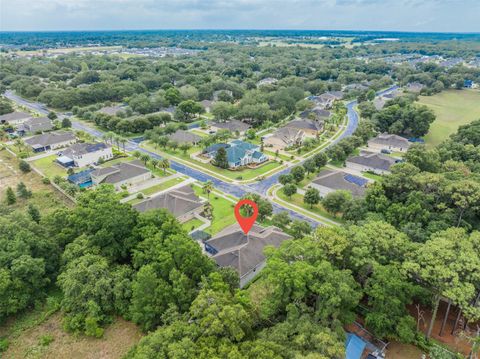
[(44, 197), (48, 166), (453, 108), (162, 186), (223, 215), (192, 224)]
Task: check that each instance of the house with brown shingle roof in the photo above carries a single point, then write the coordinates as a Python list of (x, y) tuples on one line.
[(244, 252), (182, 136), (182, 202), (284, 137)]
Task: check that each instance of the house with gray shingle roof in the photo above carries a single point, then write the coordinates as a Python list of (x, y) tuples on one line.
[(85, 154), (124, 173), (182, 136), (386, 141), (15, 118), (334, 180), (50, 141), (36, 124), (373, 162), (182, 202), (309, 127), (231, 125), (244, 252)]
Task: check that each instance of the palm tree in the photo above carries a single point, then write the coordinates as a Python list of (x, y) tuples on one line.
[(145, 158), (164, 164), (123, 141), (116, 139), (154, 162), (137, 154), (185, 147), (207, 187)]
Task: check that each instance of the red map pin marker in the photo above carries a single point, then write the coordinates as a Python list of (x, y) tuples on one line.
[(246, 222)]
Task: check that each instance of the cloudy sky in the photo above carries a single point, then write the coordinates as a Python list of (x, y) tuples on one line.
[(403, 15)]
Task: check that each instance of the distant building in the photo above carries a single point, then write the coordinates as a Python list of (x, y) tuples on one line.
[(14, 118), (379, 103), (309, 127), (386, 141), (316, 113), (84, 154), (111, 110), (244, 253), (233, 126), (182, 136), (415, 87), (182, 202), (333, 180), (50, 141), (284, 137), (267, 81), (372, 162), (468, 84), (36, 124), (124, 173), (207, 105)]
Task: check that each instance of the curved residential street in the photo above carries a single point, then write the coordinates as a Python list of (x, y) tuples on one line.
[(237, 190)]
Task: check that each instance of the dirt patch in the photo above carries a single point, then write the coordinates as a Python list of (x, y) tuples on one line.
[(402, 351), (119, 337)]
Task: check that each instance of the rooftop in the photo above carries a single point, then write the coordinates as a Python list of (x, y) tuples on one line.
[(79, 149), (182, 136), (306, 124), (386, 139), (373, 160), (339, 180), (50, 138), (14, 116), (120, 172), (231, 125)]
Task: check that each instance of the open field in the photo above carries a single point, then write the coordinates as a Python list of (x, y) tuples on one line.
[(453, 108), (45, 197)]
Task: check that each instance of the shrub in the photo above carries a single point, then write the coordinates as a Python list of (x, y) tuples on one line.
[(45, 340), (45, 180), (24, 166), (4, 343), (140, 195)]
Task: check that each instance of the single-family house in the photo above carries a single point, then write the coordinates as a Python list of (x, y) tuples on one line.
[(379, 103), (284, 137), (36, 124), (111, 110), (244, 253), (124, 173), (333, 180), (310, 127), (386, 141), (50, 141), (415, 87), (338, 95), (85, 154), (323, 101), (14, 118), (182, 136), (373, 162), (233, 126), (182, 202), (315, 113), (239, 153)]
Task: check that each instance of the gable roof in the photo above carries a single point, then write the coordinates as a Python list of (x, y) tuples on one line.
[(111, 110), (306, 124), (244, 252), (51, 138), (288, 135), (120, 172), (238, 150), (317, 111), (231, 125), (178, 201), (79, 149), (182, 136), (373, 160), (386, 139), (339, 180), (37, 124), (14, 116)]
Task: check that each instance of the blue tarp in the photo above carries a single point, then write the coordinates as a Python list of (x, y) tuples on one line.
[(354, 347)]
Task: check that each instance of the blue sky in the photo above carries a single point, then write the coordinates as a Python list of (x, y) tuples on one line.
[(401, 15)]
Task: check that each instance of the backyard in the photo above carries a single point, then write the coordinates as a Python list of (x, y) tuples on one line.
[(49, 167), (162, 186), (453, 108)]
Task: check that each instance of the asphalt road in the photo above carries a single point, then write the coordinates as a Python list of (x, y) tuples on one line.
[(260, 187)]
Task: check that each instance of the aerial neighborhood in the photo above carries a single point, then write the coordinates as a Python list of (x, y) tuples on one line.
[(239, 194)]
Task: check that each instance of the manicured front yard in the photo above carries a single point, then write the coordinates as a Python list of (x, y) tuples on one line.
[(223, 215), (49, 167), (373, 176), (244, 174), (162, 186), (453, 108)]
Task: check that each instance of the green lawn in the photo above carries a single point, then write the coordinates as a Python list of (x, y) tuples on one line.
[(453, 108), (245, 174), (162, 186), (223, 215), (49, 167), (373, 176), (297, 199), (192, 224)]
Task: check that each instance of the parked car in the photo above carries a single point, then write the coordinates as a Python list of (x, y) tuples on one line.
[(386, 151)]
